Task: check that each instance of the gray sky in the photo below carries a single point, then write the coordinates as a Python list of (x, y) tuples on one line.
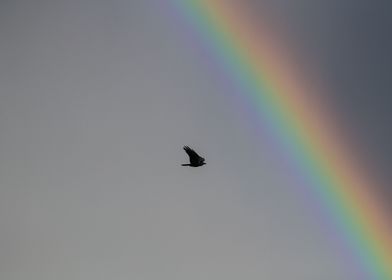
[(97, 99)]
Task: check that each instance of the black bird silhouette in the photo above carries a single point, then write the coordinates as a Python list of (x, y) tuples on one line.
[(194, 159)]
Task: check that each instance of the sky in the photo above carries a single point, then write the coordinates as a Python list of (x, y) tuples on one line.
[(97, 99)]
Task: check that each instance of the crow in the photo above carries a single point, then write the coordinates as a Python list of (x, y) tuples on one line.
[(194, 159)]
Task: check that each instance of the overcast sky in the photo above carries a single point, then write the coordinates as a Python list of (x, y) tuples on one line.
[(97, 99)]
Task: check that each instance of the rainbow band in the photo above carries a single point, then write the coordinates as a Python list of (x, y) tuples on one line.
[(283, 99)]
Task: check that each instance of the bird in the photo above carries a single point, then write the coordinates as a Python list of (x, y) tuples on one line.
[(194, 159)]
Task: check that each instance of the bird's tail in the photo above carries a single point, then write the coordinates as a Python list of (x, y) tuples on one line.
[(185, 164)]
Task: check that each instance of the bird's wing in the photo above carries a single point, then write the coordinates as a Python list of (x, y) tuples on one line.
[(191, 153)]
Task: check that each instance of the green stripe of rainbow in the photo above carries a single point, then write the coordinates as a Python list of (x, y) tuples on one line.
[(268, 78)]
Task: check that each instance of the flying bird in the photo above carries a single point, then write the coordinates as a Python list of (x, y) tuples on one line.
[(194, 159)]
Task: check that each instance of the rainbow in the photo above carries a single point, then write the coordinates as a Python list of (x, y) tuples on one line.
[(255, 59)]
